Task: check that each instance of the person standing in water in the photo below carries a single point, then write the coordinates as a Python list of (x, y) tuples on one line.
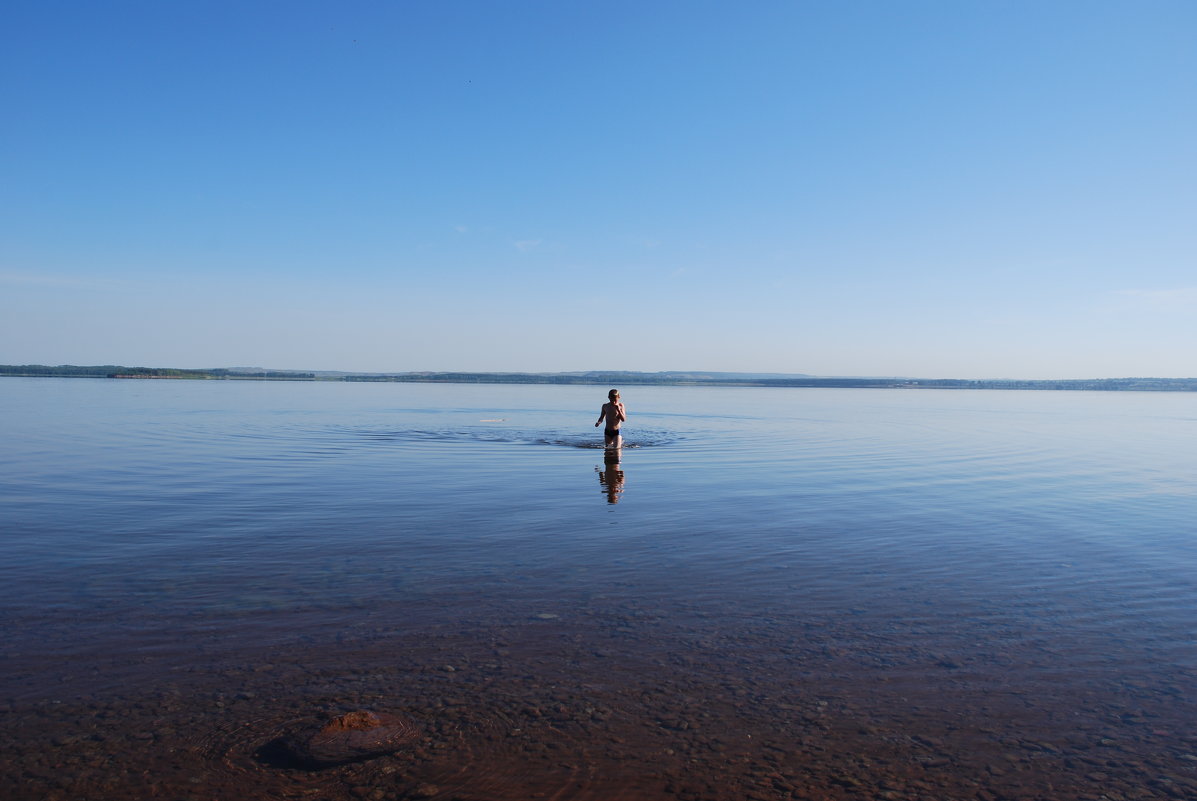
[(614, 413)]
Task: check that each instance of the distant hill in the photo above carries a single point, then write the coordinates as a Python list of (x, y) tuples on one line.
[(691, 375), (614, 377), (669, 375)]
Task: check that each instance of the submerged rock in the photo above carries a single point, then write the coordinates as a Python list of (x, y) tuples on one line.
[(352, 737)]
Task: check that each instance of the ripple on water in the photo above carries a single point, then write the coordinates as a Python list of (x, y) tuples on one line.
[(640, 438), (463, 751)]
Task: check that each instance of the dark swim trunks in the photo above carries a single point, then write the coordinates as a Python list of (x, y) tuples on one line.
[(611, 433)]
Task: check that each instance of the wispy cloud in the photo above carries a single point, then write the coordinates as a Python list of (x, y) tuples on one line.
[(1180, 297), (525, 245), (13, 278)]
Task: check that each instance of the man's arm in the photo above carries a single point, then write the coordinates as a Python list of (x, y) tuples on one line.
[(602, 414), (619, 410)]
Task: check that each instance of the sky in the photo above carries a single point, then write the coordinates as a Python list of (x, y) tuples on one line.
[(1002, 189)]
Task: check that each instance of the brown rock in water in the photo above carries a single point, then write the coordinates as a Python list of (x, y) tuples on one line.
[(351, 737)]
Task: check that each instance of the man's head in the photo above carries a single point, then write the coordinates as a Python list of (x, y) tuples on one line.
[(613, 394)]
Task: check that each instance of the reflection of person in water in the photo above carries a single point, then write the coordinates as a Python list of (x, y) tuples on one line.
[(611, 474), (614, 413)]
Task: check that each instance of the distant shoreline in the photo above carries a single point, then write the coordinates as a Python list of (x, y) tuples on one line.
[(592, 378)]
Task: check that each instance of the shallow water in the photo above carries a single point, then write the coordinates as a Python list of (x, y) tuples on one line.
[(768, 593)]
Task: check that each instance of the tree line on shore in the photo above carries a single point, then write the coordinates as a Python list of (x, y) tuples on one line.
[(119, 371), (614, 377)]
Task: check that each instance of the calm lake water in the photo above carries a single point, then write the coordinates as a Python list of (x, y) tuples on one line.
[(767, 593)]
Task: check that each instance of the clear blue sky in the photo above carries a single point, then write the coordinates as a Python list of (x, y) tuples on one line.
[(932, 189)]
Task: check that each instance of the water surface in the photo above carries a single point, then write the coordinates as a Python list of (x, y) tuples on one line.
[(768, 593)]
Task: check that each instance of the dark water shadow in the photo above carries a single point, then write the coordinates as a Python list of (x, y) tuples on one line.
[(276, 755)]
